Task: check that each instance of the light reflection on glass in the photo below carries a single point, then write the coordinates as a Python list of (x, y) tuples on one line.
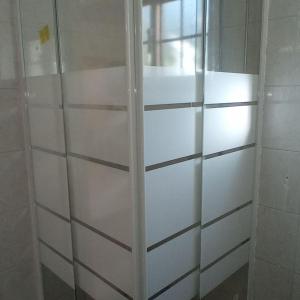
[(233, 30), (170, 32)]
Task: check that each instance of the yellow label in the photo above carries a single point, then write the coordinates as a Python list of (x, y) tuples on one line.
[(44, 34)]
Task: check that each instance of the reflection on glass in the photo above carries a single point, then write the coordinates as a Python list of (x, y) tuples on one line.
[(170, 30), (233, 35), (92, 34)]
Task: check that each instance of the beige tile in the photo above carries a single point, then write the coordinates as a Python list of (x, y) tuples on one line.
[(277, 236), (16, 238), (19, 283), (272, 282), (284, 8), (13, 182), (296, 287), (11, 132), (7, 10), (282, 59), (279, 186), (281, 115), (9, 68)]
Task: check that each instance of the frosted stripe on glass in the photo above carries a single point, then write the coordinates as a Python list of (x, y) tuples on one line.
[(227, 184), (228, 127)]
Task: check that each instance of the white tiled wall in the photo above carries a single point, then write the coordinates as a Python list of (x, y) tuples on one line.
[(277, 243), (18, 272)]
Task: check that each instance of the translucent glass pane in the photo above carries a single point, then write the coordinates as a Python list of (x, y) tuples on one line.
[(171, 54), (170, 19), (147, 23), (189, 17)]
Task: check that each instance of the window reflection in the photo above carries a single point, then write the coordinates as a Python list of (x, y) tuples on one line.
[(170, 33), (233, 35)]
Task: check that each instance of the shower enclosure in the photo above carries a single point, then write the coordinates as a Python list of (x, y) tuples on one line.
[(142, 118)]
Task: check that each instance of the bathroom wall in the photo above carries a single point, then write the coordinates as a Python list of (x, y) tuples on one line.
[(277, 258), (17, 267)]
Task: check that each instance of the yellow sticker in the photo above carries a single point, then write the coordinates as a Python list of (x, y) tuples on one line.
[(44, 34)]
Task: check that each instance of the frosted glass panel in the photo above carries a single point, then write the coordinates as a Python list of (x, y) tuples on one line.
[(215, 275), (172, 200), (58, 265), (172, 133), (173, 259), (186, 289), (94, 52), (232, 87), (51, 182), (47, 128), (99, 134), (229, 127), (107, 86), (95, 287), (44, 90), (47, 137), (55, 232), (104, 257), (101, 198), (233, 175), (222, 236), (168, 85)]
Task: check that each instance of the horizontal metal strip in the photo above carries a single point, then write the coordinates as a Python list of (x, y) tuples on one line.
[(100, 161), (226, 215), (102, 234), (97, 106), (174, 236), (113, 286), (209, 156), (174, 283), (172, 162), (179, 38), (48, 151), (224, 255), (172, 106), (52, 212), (45, 106), (232, 104), (56, 252)]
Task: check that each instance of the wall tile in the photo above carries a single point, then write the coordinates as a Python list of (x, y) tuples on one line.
[(13, 174), (281, 128), (51, 182), (9, 67), (272, 282), (15, 237), (296, 287), (282, 52), (19, 283), (284, 8), (11, 133), (279, 186), (277, 236), (297, 263), (7, 10)]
